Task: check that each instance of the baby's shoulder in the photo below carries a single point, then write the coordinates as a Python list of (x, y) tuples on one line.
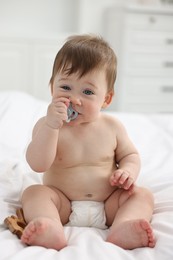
[(114, 126), (112, 121)]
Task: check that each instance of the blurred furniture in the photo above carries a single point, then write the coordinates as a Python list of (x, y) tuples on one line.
[(26, 64), (142, 37)]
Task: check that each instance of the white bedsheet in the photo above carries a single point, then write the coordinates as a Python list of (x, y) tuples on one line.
[(153, 136)]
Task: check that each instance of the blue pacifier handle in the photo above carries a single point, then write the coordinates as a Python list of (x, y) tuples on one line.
[(71, 113)]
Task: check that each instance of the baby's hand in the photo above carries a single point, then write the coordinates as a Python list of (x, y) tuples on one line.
[(57, 112), (122, 180)]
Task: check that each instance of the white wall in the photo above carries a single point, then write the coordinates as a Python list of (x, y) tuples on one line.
[(35, 18), (91, 15)]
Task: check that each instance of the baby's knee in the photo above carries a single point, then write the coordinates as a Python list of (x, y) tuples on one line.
[(31, 191), (145, 194), (140, 193)]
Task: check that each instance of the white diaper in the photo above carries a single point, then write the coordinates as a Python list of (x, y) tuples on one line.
[(87, 214)]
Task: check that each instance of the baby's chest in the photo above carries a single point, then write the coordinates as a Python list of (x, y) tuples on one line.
[(88, 150)]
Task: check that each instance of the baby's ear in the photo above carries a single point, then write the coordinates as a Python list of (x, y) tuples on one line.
[(108, 99)]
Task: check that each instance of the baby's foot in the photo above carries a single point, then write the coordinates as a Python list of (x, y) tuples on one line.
[(132, 234), (44, 232)]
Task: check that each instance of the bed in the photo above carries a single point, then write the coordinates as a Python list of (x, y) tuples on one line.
[(153, 136)]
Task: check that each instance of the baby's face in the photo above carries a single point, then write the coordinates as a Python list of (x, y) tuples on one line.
[(87, 94)]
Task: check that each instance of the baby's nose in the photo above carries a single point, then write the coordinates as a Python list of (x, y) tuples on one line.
[(75, 100)]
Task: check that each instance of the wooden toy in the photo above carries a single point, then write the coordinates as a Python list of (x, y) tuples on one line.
[(16, 224)]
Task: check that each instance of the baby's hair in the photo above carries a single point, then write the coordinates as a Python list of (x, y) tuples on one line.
[(82, 54)]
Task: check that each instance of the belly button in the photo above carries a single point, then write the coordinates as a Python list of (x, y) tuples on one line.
[(89, 195)]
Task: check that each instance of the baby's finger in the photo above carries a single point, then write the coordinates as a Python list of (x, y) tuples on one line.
[(129, 182), (112, 180), (123, 178), (117, 175), (64, 100)]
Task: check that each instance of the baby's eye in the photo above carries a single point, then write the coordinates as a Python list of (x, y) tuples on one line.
[(66, 87), (88, 92)]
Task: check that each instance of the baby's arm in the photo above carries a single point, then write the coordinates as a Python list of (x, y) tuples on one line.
[(127, 160), (42, 150)]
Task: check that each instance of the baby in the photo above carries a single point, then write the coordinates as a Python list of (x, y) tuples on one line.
[(90, 165)]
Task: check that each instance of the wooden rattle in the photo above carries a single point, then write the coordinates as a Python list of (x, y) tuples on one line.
[(16, 224)]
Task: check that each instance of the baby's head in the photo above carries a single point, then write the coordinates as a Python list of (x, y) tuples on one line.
[(84, 53)]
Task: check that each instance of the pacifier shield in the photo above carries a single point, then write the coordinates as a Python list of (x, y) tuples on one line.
[(71, 113)]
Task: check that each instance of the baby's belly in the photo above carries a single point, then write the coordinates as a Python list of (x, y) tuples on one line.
[(81, 183)]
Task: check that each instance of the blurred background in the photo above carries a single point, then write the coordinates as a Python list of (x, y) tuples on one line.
[(140, 32)]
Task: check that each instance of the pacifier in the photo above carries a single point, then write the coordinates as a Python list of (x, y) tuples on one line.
[(71, 113)]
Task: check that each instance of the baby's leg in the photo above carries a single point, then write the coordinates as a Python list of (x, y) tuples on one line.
[(131, 219), (46, 210)]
